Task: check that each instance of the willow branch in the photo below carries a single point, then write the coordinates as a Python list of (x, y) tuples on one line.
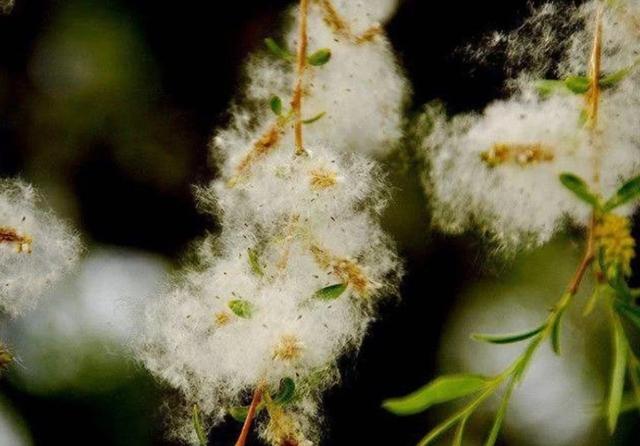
[(301, 65), (587, 259), (246, 427)]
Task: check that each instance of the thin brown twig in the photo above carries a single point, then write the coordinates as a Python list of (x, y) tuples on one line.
[(342, 28), (595, 71), (301, 65), (587, 259), (246, 427)]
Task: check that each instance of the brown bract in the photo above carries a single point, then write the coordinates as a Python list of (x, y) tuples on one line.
[(10, 235)]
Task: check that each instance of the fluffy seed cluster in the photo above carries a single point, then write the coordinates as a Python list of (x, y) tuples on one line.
[(291, 282), (498, 171), (36, 249)]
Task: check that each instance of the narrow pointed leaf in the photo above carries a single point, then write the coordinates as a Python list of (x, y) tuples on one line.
[(241, 308), (198, 427), (578, 84), (441, 390), (276, 105), (616, 386), (286, 391), (555, 334), (320, 57), (547, 87), (331, 292), (579, 187), (254, 262), (277, 50), (315, 118), (629, 191), (613, 79), (239, 413), (507, 338), (630, 312)]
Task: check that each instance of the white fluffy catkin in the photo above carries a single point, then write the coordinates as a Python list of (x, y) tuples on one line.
[(499, 171), (249, 311), (36, 248)]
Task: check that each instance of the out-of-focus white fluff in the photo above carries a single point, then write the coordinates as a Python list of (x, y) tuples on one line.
[(292, 226), (24, 276), (524, 205)]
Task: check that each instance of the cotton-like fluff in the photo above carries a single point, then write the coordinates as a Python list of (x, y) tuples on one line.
[(36, 248), (499, 171), (248, 311), (291, 283), (324, 184), (361, 92)]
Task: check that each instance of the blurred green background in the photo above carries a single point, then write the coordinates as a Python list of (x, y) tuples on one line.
[(107, 107)]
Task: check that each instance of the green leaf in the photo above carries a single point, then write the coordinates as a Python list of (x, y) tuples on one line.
[(286, 391), (631, 312), (254, 262), (239, 413), (314, 118), (579, 187), (276, 105), (198, 427), (441, 390), (613, 79), (547, 87), (507, 338), (320, 57), (241, 308), (616, 280), (627, 192), (555, 333), (277, 50), (331, 292), (578, 84), (616, 386)]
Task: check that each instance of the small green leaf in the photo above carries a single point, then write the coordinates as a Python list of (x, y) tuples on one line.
[(579, 187), (616, 280), (616, 386), (239, 413), (547, 87), (331, 292), (315, 118), (613, 79), (555, 333), (577, 84), (241, 308), (198, 427), (277, 50), (630, 312), (320, 57), (507, 338), (254, 262), (627, 192), (286, 391), (276, 105), (441, 390)]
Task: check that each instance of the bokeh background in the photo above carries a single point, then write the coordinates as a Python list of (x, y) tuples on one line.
[(107, 107)]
